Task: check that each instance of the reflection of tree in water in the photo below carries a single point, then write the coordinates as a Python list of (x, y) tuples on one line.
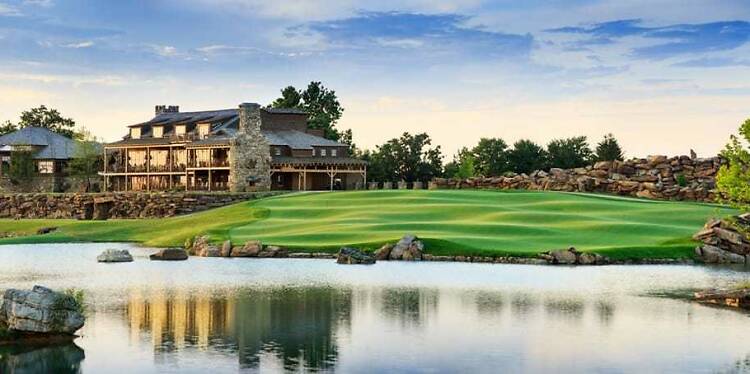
[(62, 358), (296, 325), (410, 306), (572, 308), (605, 310), (488, 303), (740, 366)]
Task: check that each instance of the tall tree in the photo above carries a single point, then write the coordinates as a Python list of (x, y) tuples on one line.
[(408, 158), (527, 156), (290, 98), (7, 127), (490, 156), (320, 103), (50, 119), (86, 162), (733, 179), (609, 149), (569, 153), (22, 168)]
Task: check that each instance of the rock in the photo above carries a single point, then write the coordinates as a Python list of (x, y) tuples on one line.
[(250, 249), (226, 249), (300, 255), (322, 255), (383, 252), (585, 258), (170, 254), (46, 230), (115, 255), (200, 243), (564, 256), (739, 298), (353, 256), (40, 311), (714, 255), (210, 251), (409, 248), (273, 251)]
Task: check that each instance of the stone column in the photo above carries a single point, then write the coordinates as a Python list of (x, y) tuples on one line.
[(250, 153)]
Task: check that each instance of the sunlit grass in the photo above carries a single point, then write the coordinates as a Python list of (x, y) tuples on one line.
[(520, 223)]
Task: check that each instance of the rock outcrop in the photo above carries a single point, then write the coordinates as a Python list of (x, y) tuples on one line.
[(249, 249), (203, 248), (115, 205), (409, 248), (40, 311), (353, 256), (655, 177), (115, 255), (170, 254), (725, 241), (571, 256), (737, 298)]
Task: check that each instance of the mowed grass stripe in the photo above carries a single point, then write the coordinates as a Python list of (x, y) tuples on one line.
[(482, 222), (467, 222)]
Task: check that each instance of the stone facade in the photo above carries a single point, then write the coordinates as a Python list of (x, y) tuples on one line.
[(655, 177), (250, 153), (114, 205)]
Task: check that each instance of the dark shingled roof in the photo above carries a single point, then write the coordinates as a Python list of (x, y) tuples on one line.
[(54, 146), (317, 160), (212, 116), (299, 140)]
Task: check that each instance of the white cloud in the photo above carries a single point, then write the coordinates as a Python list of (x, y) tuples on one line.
[(9, 11), (399, 43), (163, 50), (85, 44)]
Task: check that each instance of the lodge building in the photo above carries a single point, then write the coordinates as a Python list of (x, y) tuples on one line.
[(245, 149)]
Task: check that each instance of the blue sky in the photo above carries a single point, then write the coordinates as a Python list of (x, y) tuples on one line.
[(664, 76)]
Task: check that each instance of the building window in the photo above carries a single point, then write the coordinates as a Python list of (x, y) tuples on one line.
[(333, 152), (135, 132), (204, 129), (323, 152), (277, 151), (158, 131), (45, 167), (179, 130)]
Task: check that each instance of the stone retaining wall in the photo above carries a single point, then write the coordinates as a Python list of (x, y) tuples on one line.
[(655, 177), (115, 204)]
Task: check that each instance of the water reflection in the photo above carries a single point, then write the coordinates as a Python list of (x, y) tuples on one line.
[(295, 325), (61, 358)]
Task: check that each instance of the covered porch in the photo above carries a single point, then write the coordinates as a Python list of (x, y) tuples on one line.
[(317, 174)]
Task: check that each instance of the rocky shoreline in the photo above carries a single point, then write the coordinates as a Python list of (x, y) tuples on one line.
[(409, 248)]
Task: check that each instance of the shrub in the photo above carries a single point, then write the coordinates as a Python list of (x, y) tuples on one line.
[(681, 180)]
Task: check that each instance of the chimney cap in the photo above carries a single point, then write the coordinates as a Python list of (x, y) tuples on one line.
[(159, 109), (249, 105)]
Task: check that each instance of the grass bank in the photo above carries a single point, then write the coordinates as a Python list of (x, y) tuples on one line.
[(488, 223)]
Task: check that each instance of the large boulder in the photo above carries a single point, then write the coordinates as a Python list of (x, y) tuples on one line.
[(564, 256), (170, 254), (409, 248), (40, 311), (115, 255), (250, 249), (273, 251), (226, 248), (353, 256), (710, 254), (383, 252)]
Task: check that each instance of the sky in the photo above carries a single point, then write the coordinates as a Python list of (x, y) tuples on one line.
[(664, 76)]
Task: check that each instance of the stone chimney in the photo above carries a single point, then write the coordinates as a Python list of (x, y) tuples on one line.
[(159, 109), (250, 153), (249, 117)]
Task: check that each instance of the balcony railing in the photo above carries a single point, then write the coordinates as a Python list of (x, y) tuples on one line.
[(118, 168), (218, 163)]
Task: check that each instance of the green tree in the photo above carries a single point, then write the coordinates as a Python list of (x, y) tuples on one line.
[(609, 149), (527, 156), (569, 153), (490, 157), (86, 162), (290, 98), (346, 138), (408, 158), (466, 167), (321, 104), (50, 119), (733, 179), (7, 127), (22, 168)]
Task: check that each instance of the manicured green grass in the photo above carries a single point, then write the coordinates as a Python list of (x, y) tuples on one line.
[(520, 223)]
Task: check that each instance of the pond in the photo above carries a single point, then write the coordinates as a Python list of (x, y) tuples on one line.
[(237, 315)]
